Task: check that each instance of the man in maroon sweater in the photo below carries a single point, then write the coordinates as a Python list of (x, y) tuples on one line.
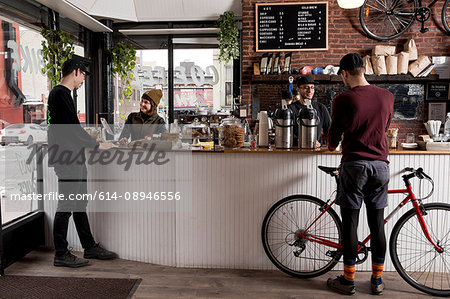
[(361, 116)]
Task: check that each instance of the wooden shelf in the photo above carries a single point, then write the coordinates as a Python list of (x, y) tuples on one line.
[(283, 78)]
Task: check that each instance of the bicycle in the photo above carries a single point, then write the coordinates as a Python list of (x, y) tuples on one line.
[(301, 235), (388, 19)]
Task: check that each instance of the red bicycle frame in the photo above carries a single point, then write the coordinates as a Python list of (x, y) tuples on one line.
[(304, 235)]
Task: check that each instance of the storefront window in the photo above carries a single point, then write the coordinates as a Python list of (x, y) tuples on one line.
[(200, 81), (24, 90)]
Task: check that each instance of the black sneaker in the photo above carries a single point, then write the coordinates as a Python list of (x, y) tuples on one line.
[(377, 289), (69, 260), (98, 252), (337, 285)]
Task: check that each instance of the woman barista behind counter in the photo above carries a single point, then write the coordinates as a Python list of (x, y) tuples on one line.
[(146, 121)]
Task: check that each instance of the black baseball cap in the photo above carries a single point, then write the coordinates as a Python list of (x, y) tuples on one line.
[(305, 80), (73, 64), (350, 61)]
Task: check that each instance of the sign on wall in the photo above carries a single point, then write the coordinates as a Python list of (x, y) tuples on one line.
[(292, 26)]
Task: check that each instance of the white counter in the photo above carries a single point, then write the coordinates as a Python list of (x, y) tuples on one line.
[(220, 227)]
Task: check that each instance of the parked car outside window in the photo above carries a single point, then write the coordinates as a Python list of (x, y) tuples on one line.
[(23, 133)]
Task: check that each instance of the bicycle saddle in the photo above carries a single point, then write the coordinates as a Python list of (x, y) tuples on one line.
[(333, 171)]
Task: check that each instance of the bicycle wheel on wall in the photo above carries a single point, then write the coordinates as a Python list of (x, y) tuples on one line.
[(294, 255), (446, 16), (388, 19), (414, 256)]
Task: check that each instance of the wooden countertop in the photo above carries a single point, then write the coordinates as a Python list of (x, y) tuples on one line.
[(265, 150), (326, 151)]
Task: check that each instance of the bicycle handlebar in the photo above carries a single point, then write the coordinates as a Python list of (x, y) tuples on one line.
[(419, 173)]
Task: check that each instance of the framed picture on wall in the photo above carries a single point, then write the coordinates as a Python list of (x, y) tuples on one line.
[(437, 111), (438, 91)]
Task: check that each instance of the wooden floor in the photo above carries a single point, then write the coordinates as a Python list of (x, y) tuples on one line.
[(168, 282)]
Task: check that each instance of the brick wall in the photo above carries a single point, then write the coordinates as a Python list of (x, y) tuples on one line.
[(344, 36)]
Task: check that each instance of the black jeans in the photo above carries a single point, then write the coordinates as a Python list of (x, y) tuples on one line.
[(71, 182)]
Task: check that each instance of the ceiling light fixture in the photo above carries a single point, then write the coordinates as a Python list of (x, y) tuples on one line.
[(349, 4)]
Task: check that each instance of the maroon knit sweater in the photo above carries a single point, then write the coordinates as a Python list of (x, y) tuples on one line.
[(362, 115)]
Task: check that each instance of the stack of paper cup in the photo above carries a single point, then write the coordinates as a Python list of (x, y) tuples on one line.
[(263, 138)]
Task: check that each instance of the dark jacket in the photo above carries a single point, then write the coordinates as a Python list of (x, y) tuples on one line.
[(139, 124), (65, 134)]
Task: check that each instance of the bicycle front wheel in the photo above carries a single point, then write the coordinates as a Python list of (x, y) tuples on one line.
[(386, 20), (446, 16), (292, 254), (415, 258)]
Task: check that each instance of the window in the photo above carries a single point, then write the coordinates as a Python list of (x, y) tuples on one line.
[(200, 81)]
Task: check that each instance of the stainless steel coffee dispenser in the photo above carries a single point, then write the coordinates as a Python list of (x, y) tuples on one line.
[(307, 120), (284, 126)]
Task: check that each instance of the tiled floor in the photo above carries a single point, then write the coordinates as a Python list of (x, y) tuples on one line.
[(168, 282)]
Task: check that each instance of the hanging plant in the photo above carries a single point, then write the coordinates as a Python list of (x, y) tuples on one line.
[(228, 37), (123, 57), (57, 47)]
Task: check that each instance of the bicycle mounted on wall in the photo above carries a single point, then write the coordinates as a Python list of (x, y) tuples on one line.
[(386, 20)]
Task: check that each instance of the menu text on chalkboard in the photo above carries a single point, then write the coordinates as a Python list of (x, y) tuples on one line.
[(292, 26)]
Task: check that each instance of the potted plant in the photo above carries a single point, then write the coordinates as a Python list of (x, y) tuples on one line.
[(57, 47), (123, 57), (228, 37)]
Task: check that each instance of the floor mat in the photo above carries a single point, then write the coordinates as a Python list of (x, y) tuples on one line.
[(12, 287)]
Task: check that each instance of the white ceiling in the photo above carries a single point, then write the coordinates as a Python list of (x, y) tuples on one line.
[(157, 10)]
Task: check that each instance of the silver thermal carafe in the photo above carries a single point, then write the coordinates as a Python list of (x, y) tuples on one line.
[(307, 120), (284, 126)]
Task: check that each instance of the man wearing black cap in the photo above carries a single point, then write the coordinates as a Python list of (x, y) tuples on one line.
[(306, 88), (362, 115), (66, 143)]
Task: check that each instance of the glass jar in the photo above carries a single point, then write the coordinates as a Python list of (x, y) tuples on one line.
[(196, 130), (231, 133)]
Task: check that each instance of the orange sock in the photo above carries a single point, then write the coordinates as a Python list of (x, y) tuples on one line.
[(377, 270), (349, 271)]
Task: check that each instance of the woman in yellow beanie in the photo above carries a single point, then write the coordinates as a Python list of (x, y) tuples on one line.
[(146, 121)]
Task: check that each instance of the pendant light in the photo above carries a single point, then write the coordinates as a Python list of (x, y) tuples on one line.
[(348, 4)]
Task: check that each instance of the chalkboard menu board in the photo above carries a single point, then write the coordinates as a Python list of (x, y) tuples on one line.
[(292, 26)]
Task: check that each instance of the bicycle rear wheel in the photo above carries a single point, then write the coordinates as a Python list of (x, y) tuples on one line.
[(388, 19), (414, 256), (446, 16), (297, 256)]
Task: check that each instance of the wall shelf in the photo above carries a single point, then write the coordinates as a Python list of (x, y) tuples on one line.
[(283, 78)]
